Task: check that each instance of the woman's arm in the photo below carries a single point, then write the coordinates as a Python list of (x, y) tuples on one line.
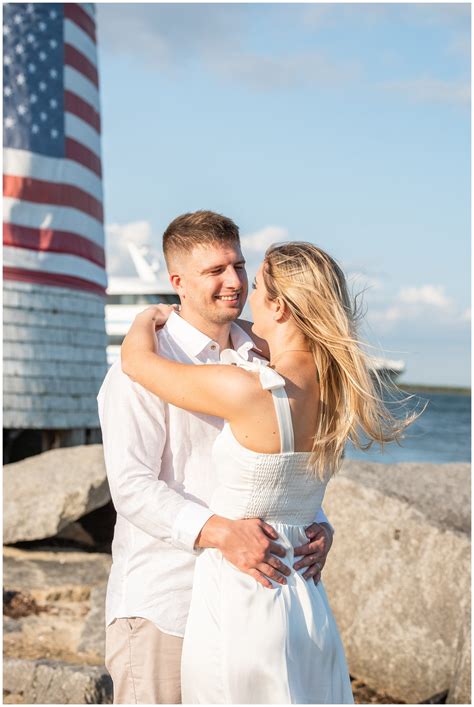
[(210, 389)]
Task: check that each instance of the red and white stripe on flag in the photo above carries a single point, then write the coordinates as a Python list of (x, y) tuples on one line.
[(53, 230)]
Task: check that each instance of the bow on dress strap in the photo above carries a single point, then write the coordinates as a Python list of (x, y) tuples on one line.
[(270, 379)]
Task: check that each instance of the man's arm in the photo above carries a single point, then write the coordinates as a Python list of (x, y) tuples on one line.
[(134, 434), (322, 518)]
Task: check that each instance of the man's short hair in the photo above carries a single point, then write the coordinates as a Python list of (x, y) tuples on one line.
[(196, 229)]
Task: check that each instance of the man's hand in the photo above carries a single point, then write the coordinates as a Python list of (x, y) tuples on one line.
[(315, 551), (249, 545)]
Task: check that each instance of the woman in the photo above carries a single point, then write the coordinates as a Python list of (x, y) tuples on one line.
[(286, 427)]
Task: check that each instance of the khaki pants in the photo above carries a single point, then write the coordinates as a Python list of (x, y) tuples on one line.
[(144, 662)]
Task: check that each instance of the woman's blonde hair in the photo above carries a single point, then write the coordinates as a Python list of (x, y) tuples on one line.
[(314, 289)]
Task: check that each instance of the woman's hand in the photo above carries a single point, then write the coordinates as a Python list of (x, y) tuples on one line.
[(159, 313), (211, 390), (141, 337)]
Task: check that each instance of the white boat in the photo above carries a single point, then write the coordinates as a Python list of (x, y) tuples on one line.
[(387, 368), (128, 296)]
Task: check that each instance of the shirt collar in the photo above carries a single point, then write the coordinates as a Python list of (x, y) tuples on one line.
[(241, 341), (193, 341)]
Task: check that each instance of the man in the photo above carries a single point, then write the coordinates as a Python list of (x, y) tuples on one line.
[(161, 478)]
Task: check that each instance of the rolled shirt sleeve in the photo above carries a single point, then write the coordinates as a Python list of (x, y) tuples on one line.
[(321, 518), (134, 435)]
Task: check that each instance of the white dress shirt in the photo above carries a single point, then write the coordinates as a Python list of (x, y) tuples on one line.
[(158, 461)]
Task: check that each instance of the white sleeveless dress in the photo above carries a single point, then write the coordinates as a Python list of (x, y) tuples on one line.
[(244, 643)]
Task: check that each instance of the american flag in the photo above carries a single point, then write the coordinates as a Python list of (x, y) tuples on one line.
[(53, 230)]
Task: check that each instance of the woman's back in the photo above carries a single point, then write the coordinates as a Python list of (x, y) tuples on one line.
[(256, 427), (274, 485)]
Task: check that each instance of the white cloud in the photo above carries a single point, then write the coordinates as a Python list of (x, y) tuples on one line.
[(171, 36), (258, 241), (422, 326), (426, 294), (266, 72), (168, 35), (426, 305), (117, 238), (429, 90), (363, 281)]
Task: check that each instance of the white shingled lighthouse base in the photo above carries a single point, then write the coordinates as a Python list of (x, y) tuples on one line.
[(54, 350)]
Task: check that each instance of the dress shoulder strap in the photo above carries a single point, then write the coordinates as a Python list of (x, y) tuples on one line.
[(273, 381), (285, 424)]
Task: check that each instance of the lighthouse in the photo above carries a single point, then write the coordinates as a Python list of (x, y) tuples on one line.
[(54, 342)]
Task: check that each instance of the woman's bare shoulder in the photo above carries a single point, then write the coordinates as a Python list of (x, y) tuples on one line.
[(243, 383)]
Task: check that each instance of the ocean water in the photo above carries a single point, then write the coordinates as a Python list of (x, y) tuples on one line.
[(441, 434)]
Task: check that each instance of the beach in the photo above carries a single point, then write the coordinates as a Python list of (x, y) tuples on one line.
[(399, 623)]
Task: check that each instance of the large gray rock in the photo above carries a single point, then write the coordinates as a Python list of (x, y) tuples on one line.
[(56, 682), (48, 576), (441, 492), (461, 682), (93, 634), (57, 601), (398, 576), (44, 493)]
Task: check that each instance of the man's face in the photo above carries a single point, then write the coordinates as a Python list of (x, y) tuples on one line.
[(212, 282)]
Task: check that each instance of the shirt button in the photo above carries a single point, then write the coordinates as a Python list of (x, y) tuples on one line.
[(213, 347)]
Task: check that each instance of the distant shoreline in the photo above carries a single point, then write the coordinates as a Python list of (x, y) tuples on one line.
[(422, 388)]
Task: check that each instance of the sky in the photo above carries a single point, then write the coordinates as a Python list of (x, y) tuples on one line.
[(347, 125)]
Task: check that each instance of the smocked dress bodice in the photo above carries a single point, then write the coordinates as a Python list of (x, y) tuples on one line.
[(275, 487)]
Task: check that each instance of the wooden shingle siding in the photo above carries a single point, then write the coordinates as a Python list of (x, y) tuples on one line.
[(51, 386), (28, 420), (40, 369), (70, 320), (54, 403), (54, 349), (35, 335), (56, 300), (63, 354)]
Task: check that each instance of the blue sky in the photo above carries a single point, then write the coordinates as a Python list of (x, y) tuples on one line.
[(345, 125)]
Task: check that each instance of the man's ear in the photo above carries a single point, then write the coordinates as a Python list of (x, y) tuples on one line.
[(177, 283)]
